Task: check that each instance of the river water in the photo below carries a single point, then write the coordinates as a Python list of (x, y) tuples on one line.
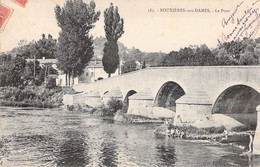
[(55, 137)]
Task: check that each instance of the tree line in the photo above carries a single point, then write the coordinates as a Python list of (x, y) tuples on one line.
[(244, 52)]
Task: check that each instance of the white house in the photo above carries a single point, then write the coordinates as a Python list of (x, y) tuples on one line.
[(93, 71)]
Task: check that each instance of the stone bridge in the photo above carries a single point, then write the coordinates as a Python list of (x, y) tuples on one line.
[(190, 94), (221, 89)]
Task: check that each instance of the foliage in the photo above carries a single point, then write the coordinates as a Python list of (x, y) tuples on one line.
[(29, 73), (17, 72), (128, 66), (244, 52), (33, 96), (114, 28), (130, 118), (76, 18), (11, 72), (70, 107), (103, 111), (248, 58), (110, 59), (134, 54), (45, 47), (154, 58), (114, 105), (190, 56), (223, 58)]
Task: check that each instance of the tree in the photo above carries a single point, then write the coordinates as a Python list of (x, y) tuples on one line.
[(224, 58), (203, 56), (75, 48), (11, 73), (248, 58), (154, 58), (28, 73), (128, 66), (46, 47), (114, 28)]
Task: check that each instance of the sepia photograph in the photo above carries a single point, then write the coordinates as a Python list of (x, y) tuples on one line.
[(142, 83)]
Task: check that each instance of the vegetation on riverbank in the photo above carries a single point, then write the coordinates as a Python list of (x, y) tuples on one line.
[(33, 96), (238, 136), (113, 109), (130, 118), (110, 109)]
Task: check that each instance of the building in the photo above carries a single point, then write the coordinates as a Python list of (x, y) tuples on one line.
[(94, 71)]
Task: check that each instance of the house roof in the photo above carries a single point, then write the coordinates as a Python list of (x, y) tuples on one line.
[(44, 61), (92, 63)]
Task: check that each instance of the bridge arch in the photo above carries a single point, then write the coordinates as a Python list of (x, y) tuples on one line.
[(126, 99), (238, 101), (168, 93)]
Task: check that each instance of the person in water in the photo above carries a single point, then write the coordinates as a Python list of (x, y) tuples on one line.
[(226, 133), (250, 150)]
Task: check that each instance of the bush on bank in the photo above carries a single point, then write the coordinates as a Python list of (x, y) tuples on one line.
[(33, 96), (113, 105), (191, 132)]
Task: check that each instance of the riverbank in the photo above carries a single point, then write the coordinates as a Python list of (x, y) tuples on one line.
[(238, 136), (33, 96), (114, 111)]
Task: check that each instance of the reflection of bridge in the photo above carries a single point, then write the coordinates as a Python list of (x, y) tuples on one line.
[(200, 91)]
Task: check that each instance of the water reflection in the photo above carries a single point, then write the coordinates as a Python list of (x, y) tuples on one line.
[(74, 150), (62, 138), (108, 150), (166, 155)]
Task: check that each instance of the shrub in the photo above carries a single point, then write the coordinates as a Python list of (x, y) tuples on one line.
[(70, 107), (115, 104), (212, 130), (103, 111)]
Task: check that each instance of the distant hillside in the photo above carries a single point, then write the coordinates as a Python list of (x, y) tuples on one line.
[(99, 43), (26, 50)]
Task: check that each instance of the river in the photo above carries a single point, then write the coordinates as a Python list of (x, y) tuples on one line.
[(55, 137)]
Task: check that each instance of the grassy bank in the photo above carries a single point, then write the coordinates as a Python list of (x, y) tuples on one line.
[(130, 118), (238, 136), (33, 96)]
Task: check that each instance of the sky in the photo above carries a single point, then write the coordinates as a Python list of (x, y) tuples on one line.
[(165, 29)]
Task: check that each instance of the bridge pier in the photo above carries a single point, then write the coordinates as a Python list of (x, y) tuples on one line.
[(256, 143), (193, 108), (141, 103), (93, 99), (114, 93)]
